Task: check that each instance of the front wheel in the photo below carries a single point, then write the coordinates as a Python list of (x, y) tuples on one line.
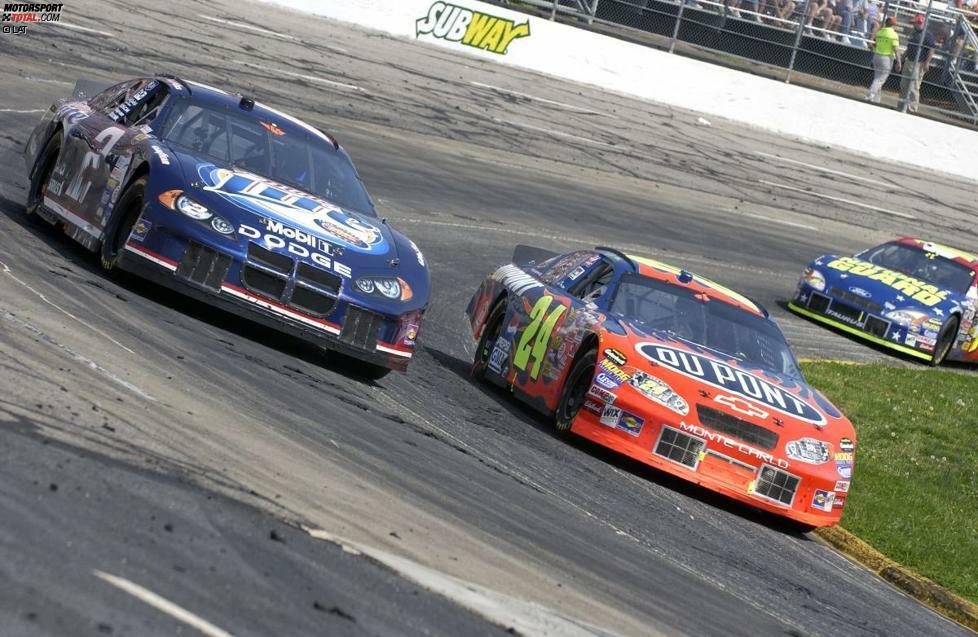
[(487, 342), (945, 339), (120, 225), (43, 170), (574, 393)]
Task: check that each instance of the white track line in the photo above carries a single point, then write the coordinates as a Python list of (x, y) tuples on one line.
[(5, 269), (311, 78), (162, 604), (29, 110), (781, 221), (570, 107), (242, 25), (822, 169), (558, 133), (75, 27), (850, 202)]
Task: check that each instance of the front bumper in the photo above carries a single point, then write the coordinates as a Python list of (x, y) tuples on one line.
[(357, 332), (860, 322), (680, 450)]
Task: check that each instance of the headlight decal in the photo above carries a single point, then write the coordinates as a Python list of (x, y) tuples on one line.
[(659, 391), (808, 450), (814, 278), (388, 287)]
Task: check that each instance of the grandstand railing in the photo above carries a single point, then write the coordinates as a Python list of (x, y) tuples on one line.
[(794, 40)]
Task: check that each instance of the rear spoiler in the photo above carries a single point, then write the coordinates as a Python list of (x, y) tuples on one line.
[(527, 255), (87, 89)]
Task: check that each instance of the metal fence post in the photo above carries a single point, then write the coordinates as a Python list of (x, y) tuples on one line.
[(679, 19), (904, 95), (798, 34), (594, 12), (553, 12)]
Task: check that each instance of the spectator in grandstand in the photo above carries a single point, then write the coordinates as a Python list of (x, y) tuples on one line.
[(916, 61), (824, 12), (843, 11), (886, 56), (866, 19), (750, 5), (784, 9)]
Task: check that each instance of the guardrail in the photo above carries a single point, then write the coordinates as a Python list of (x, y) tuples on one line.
[(824, 44)]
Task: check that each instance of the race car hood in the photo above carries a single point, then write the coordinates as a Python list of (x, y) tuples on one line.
[(282, 210), (701, 375), (882, 291)]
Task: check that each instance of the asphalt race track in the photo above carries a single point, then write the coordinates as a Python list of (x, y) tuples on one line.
[(125, 408)]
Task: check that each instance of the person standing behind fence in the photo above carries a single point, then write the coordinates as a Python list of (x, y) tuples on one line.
[(886, 56), (916, 62)]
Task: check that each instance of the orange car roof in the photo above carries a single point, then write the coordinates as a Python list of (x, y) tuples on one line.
[(665, 272)]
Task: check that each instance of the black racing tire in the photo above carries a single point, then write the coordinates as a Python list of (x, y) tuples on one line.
[(43, 168), (945, 339), (124, 217), (574, 392), (490, 333)]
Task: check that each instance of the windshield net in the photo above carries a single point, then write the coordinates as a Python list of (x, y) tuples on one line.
[(920, 264), (303, 161), (699, 319)]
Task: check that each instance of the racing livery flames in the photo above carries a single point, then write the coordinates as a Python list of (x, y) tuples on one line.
[(669, 368), (233, 203), (916, 297)]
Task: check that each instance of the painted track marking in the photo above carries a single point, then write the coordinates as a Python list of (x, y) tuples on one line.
[(301, 76), (822, 169), (534, 98), (557, 133), (242, 25), (783, 222), (5, 269), (163, 604), (28, 110), (75, 27), (850, 202)]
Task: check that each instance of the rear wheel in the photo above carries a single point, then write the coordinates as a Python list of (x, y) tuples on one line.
[(43, 169), (124, 217), (945, 339), (574, 393), (491, 331)]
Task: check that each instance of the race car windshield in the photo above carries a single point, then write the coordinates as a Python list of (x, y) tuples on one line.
[(923, 265), (305, 162), (697, 318)]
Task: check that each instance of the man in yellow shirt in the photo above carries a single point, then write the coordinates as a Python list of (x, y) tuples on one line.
[(886, 57)]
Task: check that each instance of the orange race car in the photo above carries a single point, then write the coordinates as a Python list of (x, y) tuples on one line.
[(668, 368)]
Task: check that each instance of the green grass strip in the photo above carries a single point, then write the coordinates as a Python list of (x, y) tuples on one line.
[(914, 494)]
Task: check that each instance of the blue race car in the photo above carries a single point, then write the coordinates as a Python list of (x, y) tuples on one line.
[(909, 295), (234, 203)]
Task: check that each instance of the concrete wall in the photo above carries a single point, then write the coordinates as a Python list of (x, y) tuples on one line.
[(578, 55)]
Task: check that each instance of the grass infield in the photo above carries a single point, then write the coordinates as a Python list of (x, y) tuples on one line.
[(914, 494)]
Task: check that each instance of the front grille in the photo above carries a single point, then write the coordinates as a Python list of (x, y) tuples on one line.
[(847, 311), (360, 328), (877, 326), (326, 281), (679, 447), (778, 485), (736, 427), (272, 260), (818, 303), (262, 282), (855, 299), (312, 301), (203, 266)]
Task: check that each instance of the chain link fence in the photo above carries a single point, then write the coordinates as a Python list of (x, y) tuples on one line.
[(831, 45)]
